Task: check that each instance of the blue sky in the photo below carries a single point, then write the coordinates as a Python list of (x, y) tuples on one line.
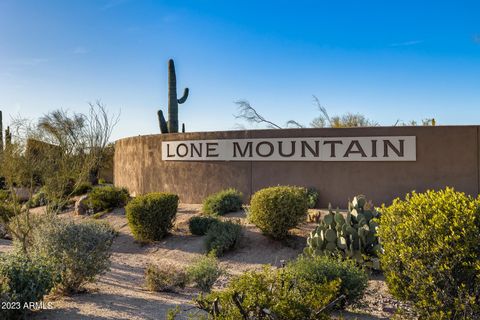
[(389, 60)]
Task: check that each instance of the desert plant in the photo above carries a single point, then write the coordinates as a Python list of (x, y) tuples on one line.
[(151, 216), (323, 269), (78, 251), (7, 211), (222, 237), (312, 197), (220, 203), (276, 210), (351, 236), (164, 277), (107, 197), (84, 187), (171, 126), (4, 195), (204, 272), (432, 256), (38, 199), (23, 280), (270, 294), (200, 225)]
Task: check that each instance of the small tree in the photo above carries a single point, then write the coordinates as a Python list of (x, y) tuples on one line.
[(59, 152)]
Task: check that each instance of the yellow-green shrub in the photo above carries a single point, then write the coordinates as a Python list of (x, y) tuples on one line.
[(323, 269), (220, 203), (432, 253), (204, 272), (151, 216), (270, 294), (276, 210), (164, 277), (107, 197)]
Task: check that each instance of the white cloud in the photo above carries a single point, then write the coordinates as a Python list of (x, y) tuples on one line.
[(406, 43)]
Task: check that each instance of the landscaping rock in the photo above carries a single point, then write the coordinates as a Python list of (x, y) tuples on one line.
[(22, 194), (81, 206), (3, 232)]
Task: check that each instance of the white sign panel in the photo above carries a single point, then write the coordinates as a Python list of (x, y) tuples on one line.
[(293, 149)]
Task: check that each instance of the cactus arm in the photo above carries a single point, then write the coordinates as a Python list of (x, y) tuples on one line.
[(184, 97), (162, 122)]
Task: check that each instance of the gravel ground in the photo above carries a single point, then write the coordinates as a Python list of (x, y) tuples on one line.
[(119, 294)]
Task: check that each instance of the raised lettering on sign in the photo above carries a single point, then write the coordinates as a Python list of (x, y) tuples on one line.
[(293, 149)]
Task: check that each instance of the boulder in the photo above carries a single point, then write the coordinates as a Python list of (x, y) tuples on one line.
[(81, 205), (22, 194)]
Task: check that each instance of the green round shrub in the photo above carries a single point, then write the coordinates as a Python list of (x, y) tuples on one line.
[(323, 269), (200, 225), (432, 253), (83, 188), (151, 216), (222, 237), (107, 197), (220, 203), (23, 280), (276, 210)]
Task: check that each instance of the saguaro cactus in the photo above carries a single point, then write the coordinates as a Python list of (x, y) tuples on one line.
[(8, 137), (171, 126), (1, 132)]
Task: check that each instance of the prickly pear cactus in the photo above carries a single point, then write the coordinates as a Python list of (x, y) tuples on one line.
[(351, 235)]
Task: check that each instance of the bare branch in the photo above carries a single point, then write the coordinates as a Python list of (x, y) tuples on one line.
[(294, 124), (249, 114), (323, 112)]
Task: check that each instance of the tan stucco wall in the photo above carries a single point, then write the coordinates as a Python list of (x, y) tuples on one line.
[(446, 156)]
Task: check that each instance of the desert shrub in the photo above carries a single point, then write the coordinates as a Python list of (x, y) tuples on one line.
[(222, 237), (323, 269), (151, 216), (200, 225), (276, 210), (84, 187), (79, 251), (312, 197), (204, 272), (432, 253), (23, 280), (270, 294), (107, 197), (7, 211), (4, 195), (38, 199), (220, 203), (164, 277)]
